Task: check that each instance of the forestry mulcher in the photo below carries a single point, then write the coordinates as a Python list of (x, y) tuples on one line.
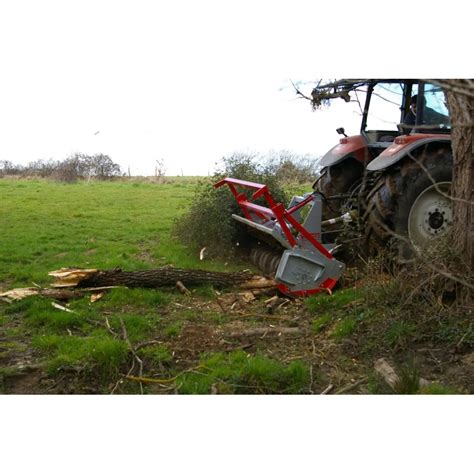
[(390, 181)]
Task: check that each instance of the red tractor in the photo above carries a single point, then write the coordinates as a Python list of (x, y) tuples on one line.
[(393, 178)]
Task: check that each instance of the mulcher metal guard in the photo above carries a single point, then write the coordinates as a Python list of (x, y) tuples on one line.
[(306, 266)]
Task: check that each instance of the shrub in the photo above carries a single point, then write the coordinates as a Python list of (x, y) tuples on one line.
[(66, 171), (41, 168), (292, 169), (209, 223), (77, 166)]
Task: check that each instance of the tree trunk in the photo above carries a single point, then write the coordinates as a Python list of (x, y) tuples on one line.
[(460, 97), (159, 277)]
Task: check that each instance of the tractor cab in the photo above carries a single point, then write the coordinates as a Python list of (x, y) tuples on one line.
[(391, 107)]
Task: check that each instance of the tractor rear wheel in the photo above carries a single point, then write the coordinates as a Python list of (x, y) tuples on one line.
[(412, 202), (335, 181)]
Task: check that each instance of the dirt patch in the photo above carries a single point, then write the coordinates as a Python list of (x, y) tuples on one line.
[(23, 383), (204, 325), (20, 371), (194, 340), (461, 372)]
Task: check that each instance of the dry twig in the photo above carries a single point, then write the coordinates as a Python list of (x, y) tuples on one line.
[(182, 289), (265, 331), (327, 389), (348, 388)]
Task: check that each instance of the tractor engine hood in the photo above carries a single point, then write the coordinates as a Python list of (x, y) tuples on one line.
[(355, 145)]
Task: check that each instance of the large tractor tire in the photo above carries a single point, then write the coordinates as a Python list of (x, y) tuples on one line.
[(334, 181), (412, 202)]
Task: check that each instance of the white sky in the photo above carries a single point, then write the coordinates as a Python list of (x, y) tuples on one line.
[(189, 82)]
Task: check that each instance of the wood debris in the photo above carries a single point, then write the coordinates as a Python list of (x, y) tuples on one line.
[(327, 389), (385, 370), (262, 332), (19, 293), (96, 296), (247, 296), (68, 277), (182, 289), (274, 303), (351, 386), (61, 307), (63, 294)]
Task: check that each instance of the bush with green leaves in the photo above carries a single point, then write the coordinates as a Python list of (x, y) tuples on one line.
[(292, 169), (209, 223)]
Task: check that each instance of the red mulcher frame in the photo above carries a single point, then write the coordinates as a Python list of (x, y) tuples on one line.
[(277, 211)]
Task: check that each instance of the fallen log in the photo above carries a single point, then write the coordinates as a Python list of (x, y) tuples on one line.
[(73, 282), (159, 277)]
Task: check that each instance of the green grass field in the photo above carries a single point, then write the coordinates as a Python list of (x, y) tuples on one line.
[(161, 341), (47, 225)]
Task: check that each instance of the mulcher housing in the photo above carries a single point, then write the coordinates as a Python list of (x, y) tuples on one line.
[(306, 266)]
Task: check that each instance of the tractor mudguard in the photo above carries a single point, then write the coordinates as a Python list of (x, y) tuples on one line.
[(402, 146), (355, 146)]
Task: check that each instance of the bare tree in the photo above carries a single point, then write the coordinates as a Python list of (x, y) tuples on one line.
[(160, 168), (7, 167)]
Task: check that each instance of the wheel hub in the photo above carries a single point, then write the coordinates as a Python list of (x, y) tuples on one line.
[(431, 214), (436, 220)]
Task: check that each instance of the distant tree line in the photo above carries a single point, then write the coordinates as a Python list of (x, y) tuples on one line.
[(77, 166)]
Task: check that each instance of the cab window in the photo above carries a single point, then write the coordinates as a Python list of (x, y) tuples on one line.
[(436, 111), (385, 107)]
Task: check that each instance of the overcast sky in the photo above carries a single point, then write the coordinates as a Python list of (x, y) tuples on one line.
[(190, 81)]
